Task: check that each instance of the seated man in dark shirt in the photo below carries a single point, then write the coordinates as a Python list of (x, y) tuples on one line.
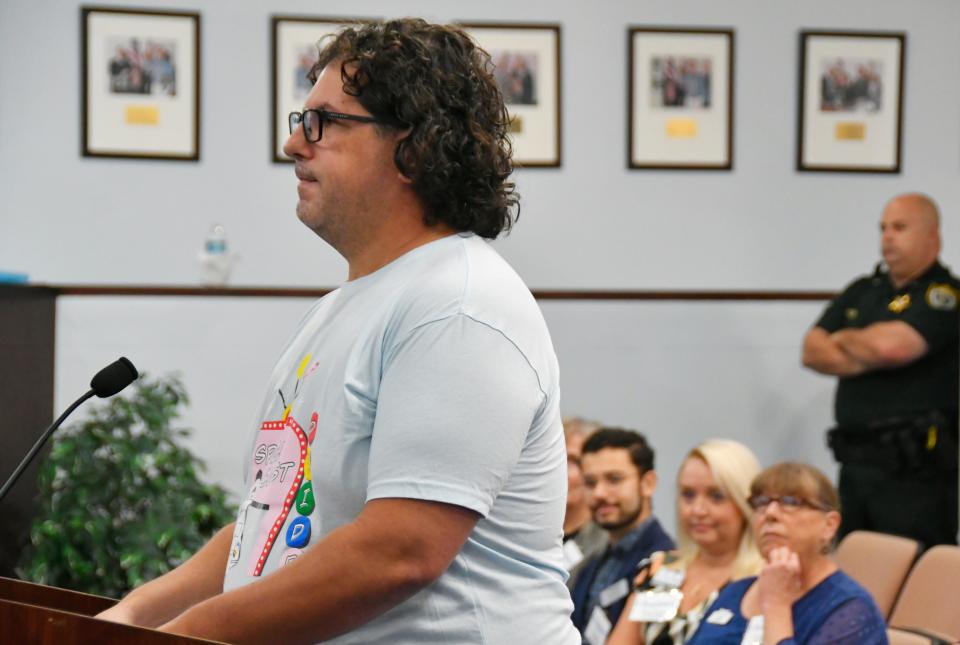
[(618, 472)]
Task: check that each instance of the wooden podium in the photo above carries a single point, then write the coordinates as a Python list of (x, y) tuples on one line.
[(42, 615)]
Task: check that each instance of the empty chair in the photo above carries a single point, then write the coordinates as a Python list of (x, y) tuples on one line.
[(879, 562), (928, 602)]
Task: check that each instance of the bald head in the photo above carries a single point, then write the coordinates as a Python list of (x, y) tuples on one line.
[(917, 205), (910, 236)]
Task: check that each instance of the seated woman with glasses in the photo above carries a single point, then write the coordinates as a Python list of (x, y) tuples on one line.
[(716, 546), (800, 595)]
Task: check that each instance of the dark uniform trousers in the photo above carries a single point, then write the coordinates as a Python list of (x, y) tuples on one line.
[(900, 476), (923, 508)]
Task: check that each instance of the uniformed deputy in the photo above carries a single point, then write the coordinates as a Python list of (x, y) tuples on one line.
[(892, 339)]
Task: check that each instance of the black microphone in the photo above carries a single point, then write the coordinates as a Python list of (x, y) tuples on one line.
[(107, 382), (113, 378)]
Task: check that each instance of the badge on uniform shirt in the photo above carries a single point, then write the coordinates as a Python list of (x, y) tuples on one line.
[(942, 297), (655, 606), (614, 592), (598, 628), (899, 304)]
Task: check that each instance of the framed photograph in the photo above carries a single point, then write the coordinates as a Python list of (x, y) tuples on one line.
[(141, 83), (295, 49), (526, 60), (851, 101), (680, 98)]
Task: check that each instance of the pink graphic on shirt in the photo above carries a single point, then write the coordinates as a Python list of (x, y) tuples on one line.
[(278, 466)]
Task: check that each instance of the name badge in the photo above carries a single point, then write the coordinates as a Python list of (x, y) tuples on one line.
[(598, 628), (668, 578), (572, 554), (655, 606), (614, 592), (720, 616), (753, 635)]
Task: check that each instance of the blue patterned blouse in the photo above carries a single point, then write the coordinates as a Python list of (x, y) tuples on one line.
[(838, 610)]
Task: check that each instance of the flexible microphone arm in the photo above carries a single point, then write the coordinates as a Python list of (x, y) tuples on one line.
[(39, 444), (107, 382)]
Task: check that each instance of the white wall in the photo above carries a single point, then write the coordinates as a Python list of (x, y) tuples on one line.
[(590, 224), (682, 372)]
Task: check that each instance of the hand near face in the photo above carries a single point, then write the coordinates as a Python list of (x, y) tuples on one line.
[(779, 582)]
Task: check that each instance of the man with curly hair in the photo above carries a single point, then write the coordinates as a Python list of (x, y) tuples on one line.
[(406, 480)]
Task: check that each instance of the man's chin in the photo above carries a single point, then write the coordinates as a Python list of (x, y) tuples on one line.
[(615, 524), (307, 216)]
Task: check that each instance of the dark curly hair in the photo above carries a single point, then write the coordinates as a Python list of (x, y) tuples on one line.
[(641, 453), (434, 81)]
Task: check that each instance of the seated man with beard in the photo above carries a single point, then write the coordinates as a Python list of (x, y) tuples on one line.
[(618, 472)]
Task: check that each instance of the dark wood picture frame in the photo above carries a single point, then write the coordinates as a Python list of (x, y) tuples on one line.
[(278, 114), (679, 159), (544, 147), (93, 135), (895, 122)]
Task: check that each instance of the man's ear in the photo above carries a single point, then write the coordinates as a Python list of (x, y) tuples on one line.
[(648, 483), (398, 138)]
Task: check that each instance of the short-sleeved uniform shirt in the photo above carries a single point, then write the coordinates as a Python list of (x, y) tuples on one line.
[(434, 379), (929, 305)]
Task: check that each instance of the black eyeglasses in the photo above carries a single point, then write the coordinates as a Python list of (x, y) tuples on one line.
[(788, 503), (313, 120)]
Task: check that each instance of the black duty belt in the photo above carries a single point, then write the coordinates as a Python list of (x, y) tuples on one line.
[(925, 442)]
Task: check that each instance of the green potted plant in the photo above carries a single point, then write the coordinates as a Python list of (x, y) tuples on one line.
[(120, 500)]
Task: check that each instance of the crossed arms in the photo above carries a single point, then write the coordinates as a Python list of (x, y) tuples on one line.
[(850, 352)]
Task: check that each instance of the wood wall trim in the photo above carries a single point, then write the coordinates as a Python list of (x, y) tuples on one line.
[(539, 294), (204, 292)]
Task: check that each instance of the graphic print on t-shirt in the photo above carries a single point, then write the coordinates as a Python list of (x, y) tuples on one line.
[(302, 374), (280, 467), (279, 462)]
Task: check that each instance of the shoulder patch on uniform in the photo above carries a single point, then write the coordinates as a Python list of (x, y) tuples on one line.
[(942, 297)]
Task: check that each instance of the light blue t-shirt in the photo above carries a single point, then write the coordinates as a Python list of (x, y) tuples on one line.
[(433, 378)]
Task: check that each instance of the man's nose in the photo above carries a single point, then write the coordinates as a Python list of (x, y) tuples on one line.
[(295, 144), (600, 490)]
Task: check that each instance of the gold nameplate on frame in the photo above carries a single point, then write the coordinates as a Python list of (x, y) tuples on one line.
[(682, 128), (141, 115), (851, 131)]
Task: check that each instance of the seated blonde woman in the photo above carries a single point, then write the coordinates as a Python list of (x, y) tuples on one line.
[(800, 596), (716, 546)]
